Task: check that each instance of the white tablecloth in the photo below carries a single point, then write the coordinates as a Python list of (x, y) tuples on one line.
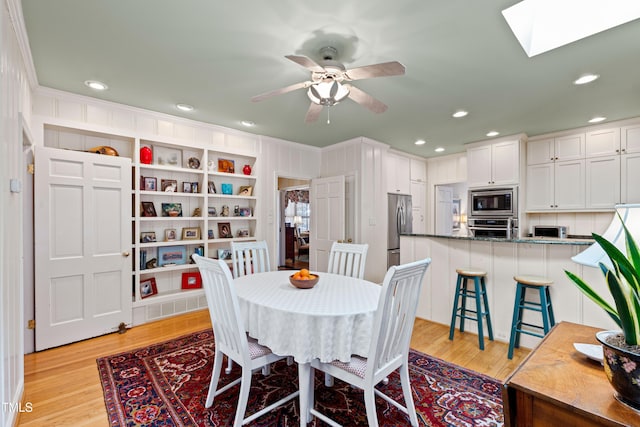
[(333, 320)]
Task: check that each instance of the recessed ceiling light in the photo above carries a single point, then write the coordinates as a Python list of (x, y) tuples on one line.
[(597, 119), (460, 113), (184, 107), (96, 85), (584, 79), (248, 123), (493, 133), (420, 142), (439, 150)]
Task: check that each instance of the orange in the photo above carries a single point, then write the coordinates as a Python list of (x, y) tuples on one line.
[(304, 272)]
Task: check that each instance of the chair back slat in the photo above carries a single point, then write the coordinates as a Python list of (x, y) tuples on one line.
[(224, 309), (249, 258), (396, 314), (348, 259)]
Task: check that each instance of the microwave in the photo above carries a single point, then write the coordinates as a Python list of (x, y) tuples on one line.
[(557, 231), (494, 202)]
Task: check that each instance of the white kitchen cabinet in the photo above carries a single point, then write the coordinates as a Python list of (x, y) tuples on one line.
[(630, 139), (398, 174), (569, 147), (418, 197), (602, 182), (630, 177), (418, 170), (602, 142), (493, 164), (555, 186)]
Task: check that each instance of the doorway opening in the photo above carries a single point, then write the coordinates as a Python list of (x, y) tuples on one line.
[(294, 223)]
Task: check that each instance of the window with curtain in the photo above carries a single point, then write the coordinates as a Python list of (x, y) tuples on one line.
[(298, 211)]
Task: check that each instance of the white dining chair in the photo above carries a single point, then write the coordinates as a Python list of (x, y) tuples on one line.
[(389, 350), (348, 259), (249, 257), (231, 338)]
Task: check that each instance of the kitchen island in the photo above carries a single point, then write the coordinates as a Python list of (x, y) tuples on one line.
[(502, 259)]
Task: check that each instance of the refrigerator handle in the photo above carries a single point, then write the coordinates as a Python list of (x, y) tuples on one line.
[(399, 217)]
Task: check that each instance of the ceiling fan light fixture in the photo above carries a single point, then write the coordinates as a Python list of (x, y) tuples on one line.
[(327, 93)]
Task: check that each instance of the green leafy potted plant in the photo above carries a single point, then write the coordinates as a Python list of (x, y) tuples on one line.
[(620, 348)]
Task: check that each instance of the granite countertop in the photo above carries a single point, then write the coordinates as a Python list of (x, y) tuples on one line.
[(530, 240)]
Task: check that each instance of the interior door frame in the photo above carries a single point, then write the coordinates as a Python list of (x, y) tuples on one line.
[(279, 224)]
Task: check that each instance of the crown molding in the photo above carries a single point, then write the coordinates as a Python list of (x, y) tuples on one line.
[(17, 20)]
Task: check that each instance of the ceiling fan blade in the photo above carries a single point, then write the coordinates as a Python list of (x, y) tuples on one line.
[(366, 100), (280, 91), (313, 113), (306, 63), (385, 69)]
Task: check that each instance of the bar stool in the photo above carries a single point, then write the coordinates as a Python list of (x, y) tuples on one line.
[(479, 292), (541, 284)]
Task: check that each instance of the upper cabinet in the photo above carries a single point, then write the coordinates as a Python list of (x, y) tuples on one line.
[(494, 164), (418, 170), (569, 147), (604, 165), (398, 174)]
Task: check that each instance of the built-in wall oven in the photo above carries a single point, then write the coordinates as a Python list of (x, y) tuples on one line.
[(493, 212)]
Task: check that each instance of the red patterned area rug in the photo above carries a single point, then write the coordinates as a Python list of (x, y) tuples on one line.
[(166, 385)]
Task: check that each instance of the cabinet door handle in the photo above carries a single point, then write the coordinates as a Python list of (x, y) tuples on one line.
[(624, 149), (125, 254), (617, 151)]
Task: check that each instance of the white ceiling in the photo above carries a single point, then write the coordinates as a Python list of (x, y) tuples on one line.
[(216, 55)]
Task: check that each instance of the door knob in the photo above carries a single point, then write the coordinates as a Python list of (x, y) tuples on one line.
[(125, 254)]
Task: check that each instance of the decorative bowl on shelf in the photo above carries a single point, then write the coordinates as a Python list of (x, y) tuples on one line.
[(306, 282)]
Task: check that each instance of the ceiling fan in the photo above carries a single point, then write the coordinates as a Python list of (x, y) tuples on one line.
[(327, 85)]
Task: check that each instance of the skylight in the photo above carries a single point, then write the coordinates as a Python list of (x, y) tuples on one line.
[(543, 25)]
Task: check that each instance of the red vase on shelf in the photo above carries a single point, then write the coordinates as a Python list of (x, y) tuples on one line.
[(146, 155), (246, 170)]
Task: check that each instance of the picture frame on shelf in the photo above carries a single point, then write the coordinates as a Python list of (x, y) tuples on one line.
[(224, 254), (191, 280), (245, 190), (147, 236), (226, 165), (148, 287), (170, 235), (245, 211), (147, 209), (211, 211), (195, 187), (224, 230), (211, 187), (172, 255), (210, 234), (227, 189), (149, 183), (169, 185), (243, 232), (172, 209), (186, 187), (167, 156), (191, 233)]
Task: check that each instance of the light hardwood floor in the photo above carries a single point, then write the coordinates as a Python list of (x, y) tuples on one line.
[(64, 389)]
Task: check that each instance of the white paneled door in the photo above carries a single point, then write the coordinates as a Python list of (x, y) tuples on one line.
[(82, 245), (328, 219)]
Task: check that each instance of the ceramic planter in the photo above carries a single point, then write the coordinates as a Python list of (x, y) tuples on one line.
[(623, 370)]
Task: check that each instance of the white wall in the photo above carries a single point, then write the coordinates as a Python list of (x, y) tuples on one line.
[(16, 105)]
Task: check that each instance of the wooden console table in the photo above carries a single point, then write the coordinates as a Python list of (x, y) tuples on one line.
[(558, 386)]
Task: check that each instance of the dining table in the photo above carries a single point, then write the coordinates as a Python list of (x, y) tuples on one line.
[(331, 321)]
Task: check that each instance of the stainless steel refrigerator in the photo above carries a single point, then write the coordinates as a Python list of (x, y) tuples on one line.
[(400, 221)]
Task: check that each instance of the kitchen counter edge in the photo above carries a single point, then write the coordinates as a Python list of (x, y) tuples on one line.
[(529, 240)]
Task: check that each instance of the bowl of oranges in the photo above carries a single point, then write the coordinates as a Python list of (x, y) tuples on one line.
[(303, 279)]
